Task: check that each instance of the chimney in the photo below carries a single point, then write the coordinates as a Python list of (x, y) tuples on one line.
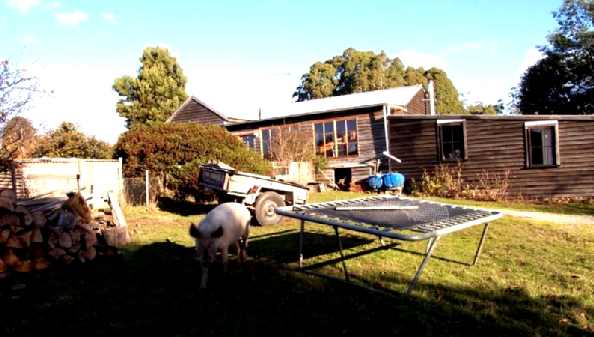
[(431, 90)]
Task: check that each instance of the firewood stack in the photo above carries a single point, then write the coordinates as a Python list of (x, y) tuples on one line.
[(35, 236)]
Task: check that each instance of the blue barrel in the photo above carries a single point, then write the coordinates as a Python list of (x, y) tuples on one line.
[(375, 182), (393, 180)]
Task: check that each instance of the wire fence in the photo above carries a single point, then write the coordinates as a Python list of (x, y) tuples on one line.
[(135, 190)]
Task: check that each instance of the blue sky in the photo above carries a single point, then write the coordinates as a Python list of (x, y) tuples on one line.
[(241, 56)]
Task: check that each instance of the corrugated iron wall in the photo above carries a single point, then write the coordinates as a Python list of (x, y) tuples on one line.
[(57, 176)]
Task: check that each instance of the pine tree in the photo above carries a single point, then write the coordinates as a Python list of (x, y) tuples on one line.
[(157, 90)]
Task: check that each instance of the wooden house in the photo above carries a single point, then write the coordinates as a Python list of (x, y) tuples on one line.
[(544, 156), (194, 110), (349, 131)]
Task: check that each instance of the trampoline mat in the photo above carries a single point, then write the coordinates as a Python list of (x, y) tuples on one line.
[(426, 213)]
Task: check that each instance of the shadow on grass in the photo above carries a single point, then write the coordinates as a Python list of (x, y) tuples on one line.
[(154, 289), (184, 207), (284, 248)]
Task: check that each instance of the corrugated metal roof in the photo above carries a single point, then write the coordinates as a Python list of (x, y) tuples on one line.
[(399, 96)]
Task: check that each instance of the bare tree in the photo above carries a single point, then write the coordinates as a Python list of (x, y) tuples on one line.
[(289, 145), (16, 90)]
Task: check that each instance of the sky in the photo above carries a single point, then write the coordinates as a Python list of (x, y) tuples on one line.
[(240, 56)]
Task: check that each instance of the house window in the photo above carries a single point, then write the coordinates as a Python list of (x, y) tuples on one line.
[(542, 147), (270, 143), (336, 138), (267, 143), (452, 140), (249, 141)]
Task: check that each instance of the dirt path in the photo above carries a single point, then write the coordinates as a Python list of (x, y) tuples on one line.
[(565, 219)]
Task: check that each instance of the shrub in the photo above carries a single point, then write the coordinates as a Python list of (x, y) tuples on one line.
[(176, 150), (447, 181)]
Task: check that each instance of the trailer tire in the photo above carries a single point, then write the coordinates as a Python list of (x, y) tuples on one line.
[(264, 208)]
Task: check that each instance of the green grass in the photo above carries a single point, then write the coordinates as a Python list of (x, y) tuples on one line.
[(533, 279), (574, 207)]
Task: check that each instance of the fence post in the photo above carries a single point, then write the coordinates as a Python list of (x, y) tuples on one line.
[(146, 187)]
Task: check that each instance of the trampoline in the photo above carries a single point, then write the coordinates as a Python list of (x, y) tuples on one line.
[(392, 217)]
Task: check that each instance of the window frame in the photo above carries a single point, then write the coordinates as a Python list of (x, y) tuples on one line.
[(335, 140), (262, 141), (256, 140), (541, 125), (439, 140)]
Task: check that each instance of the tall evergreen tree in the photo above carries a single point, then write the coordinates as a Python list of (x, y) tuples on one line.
[(157, 90), (563, 81), (360, 71)]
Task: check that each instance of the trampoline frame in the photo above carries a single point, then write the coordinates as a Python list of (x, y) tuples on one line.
[(443, 227)]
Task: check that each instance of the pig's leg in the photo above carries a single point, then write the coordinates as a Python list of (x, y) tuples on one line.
[(204, 276), (225, 254), (242, 250)]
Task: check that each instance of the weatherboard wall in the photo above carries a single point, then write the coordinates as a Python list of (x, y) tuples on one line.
[(497, 145), (195, 112)]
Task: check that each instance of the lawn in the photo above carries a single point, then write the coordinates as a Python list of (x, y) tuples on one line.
[(533, 279)]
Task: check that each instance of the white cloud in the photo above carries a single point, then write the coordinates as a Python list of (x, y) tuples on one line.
[(53, 5), (109, 17), (23, 6), (417, 59), (78, 93), (73, 18)]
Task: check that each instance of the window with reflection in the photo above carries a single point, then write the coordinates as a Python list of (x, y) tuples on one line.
[(337, 138)]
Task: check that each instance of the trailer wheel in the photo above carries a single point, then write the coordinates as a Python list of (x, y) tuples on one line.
[(265, 205)]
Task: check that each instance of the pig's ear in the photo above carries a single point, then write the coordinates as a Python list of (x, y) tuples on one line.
[(217, 234), (194, 232)]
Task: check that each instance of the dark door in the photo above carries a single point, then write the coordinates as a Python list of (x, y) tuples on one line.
[(342, 178)]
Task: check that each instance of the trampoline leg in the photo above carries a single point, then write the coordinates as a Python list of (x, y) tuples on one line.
[(432, 244), (481, 242), (344, 267), (301, 230)]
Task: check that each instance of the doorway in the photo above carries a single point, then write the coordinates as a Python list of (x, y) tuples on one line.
[(342, 178)]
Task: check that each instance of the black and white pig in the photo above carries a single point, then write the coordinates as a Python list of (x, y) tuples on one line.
[(225, 225)]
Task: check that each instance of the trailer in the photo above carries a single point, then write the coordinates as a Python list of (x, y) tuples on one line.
[(262, 194)]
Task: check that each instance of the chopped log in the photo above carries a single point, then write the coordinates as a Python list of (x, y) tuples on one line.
[(39, 219), (27, 217), (14, 242), (76, 235), (10, 258), (41, 264), (53, 240), (25, 237), (66, 219), (4, 235), (87, 255), (36, 235), (74, 249), (6, 204), (67, 259), (37, 250), (77, 204), (90, 239), (56, 253), (8, 194), (65, 240), (10, 219), (24, 267)]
